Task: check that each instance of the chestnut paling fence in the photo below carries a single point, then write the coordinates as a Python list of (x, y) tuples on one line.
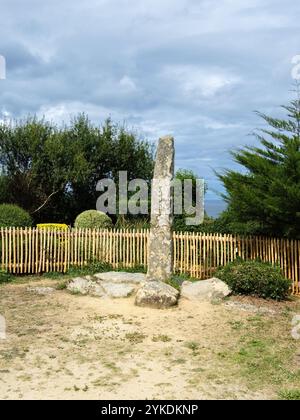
[(31, 251)]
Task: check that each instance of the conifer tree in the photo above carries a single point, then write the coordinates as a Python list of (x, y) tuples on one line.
[(265, 198)]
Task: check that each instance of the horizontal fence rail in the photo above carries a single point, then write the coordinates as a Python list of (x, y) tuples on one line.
[(33, 251)]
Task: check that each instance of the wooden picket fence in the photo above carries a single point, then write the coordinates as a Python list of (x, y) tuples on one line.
[(32, 251)]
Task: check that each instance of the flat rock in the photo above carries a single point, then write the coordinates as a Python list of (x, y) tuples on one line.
[(156, 294), (248, 307), (41, 290), (93, 286), (205, 290), (81, 285), (117, 290), (96, 290), (121, 277)]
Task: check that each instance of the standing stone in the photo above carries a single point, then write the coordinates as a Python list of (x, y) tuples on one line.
[(160, 256)]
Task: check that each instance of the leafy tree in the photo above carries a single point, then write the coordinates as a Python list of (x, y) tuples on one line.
[(31, 156), (179, 223), (266, 198), (52, 171), (4, 190), (101, 153)]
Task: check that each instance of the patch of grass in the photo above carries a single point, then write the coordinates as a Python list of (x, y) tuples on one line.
[(192, 345), (173, 283), (13, 354), (75, 292), (53, 275), (135, 337), (292, 394), (163, 338), (179, 361), (236, 325), (92, 268), (104, 381), (183, 277), (265, 354), (112, 366), (287, 311), (177, 279), (162, 384), (114, 316), (135, 269), (74, 271), (61, 285), (6, 277)]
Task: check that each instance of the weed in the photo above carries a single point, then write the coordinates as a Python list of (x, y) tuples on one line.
[(163, 338), (192, 345), (135, 337), (236, 325), (292, 394), (61, 285)]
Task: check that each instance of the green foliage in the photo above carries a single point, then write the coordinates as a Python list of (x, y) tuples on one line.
[(5, 277), (173, 283), (176, 280), (132, 223), (53, 226), (53, 275), (135, 269), (255, 278), (179, 222), (4, 189), (265, 197), (92, 268), (293, 395), (62, 285), (227, 224), (12, 215), (52, 172), (93, 219)]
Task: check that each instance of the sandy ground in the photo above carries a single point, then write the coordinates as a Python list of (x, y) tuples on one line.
[(64, 346)]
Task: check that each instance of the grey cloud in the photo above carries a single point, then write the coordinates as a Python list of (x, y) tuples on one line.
[(196, 69)]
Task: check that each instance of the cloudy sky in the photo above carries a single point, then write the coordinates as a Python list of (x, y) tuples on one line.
[(194, 68)]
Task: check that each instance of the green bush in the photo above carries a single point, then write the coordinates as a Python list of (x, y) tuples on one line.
[(255, 278), (90, 269), (12, 215), (5, 276), (93, 219), (75, 271)]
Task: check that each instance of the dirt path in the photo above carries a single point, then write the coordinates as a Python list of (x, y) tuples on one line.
[(64, 346)]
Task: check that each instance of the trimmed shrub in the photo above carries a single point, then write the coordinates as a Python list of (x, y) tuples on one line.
[(93, 219), (15, 216), (255, 278), (54, 226)]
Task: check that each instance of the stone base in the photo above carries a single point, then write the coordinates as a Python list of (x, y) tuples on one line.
[(41, 290), (149, 293), (156, 294), (205, 290), (112, 284)]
